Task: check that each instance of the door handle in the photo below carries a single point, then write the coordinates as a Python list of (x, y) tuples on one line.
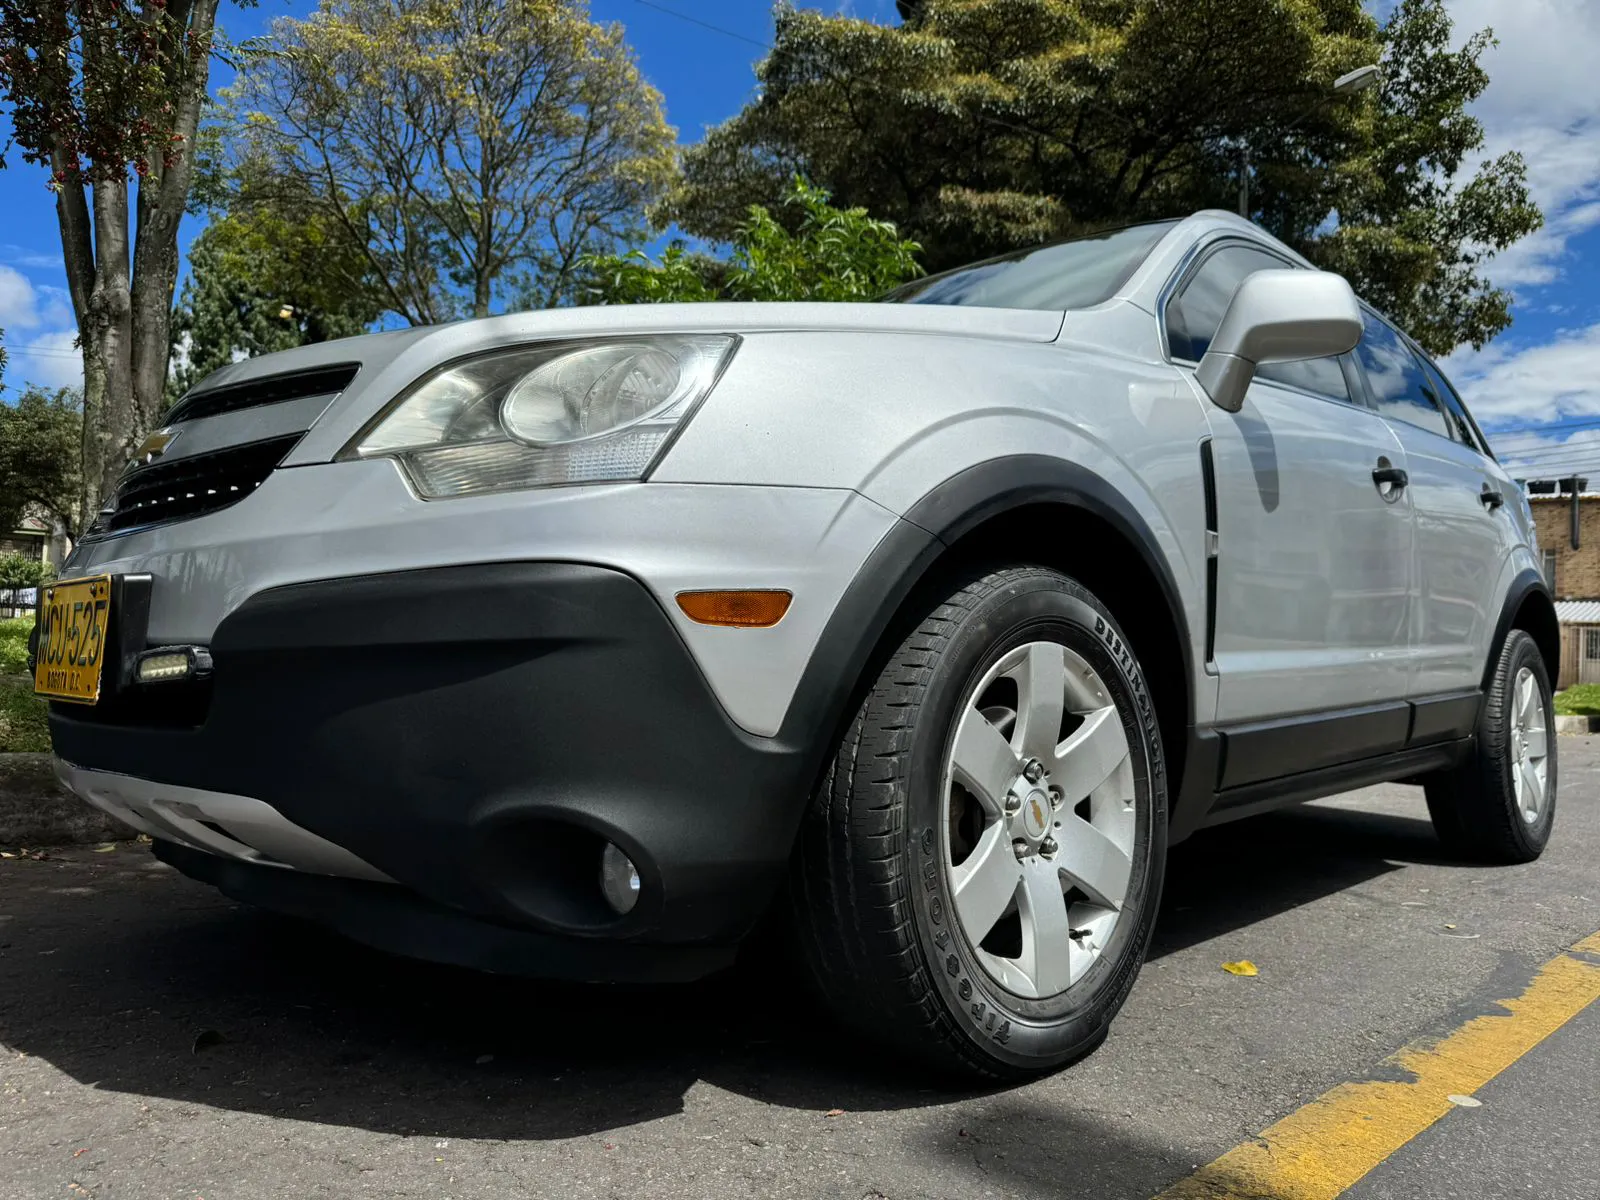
[(1491, 498), (1396, 477)]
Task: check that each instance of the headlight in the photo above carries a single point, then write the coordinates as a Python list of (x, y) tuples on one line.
[(547, 414)]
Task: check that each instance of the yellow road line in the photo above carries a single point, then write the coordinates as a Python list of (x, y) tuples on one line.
[(1325, 1147)]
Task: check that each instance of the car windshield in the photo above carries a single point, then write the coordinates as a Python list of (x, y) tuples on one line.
[(1076, 274)]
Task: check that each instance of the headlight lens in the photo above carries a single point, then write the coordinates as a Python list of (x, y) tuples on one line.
[(550, 414)]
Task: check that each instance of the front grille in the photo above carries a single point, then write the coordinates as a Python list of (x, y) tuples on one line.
[(193, 486), (273, 389)]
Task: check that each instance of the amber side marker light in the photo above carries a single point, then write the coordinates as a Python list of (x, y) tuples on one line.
[(743, 610)]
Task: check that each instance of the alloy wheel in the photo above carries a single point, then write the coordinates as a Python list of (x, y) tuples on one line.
[(1530, 746), (1039, 819)]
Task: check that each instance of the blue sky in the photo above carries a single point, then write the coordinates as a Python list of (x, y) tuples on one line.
[(1544, 101)]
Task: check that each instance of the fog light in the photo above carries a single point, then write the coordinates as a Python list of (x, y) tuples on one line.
[(619, 879), (163, 666)]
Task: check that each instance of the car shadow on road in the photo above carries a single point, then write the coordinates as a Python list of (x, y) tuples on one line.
[(129, 978), (1234, 875)]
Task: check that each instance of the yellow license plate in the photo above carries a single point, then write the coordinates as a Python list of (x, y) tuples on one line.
[(73, 622)]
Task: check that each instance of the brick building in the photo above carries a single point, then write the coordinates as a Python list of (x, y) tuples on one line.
[(1574, 577), (1572, 574)]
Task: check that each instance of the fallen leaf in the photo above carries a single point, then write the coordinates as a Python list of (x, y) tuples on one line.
[(106, 849), (1449, 926), (1464, 1101), (1243, 967), (206, 1038), (834, 1112)]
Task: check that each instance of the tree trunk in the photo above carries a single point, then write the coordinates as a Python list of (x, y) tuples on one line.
[(107, 334)]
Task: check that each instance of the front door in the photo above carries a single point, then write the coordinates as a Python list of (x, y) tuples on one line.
[(1312, 596), (1314, 557)]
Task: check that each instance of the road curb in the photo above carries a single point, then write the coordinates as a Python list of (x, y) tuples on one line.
[(35, 810), (1577, 724)]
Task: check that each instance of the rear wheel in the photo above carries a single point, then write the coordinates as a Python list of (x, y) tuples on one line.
[(1499, 805), (978, 877)]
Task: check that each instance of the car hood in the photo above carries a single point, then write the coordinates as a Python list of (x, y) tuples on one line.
[(388, 363), (452, 340)]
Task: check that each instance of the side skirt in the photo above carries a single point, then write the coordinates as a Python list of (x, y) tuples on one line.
[(1242, 769), (1262, 797)]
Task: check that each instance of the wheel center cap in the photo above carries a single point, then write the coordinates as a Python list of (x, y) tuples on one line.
[(1036, 813)]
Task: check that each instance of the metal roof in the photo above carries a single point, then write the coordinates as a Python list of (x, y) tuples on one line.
[(1578, 612)]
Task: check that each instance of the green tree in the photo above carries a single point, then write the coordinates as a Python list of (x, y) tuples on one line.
[(41, 447), (831, 254), (93, 92), (469, 150), (262, 279), (19, 571), (983, 125)]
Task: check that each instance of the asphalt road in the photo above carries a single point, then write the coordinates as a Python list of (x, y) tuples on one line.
[(157, 1040)]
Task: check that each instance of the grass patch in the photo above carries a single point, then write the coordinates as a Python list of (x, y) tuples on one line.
[(23, 723), (1580, 700), (14, 645)]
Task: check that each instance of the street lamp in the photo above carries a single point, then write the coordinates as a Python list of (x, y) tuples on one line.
[(1347, 84)]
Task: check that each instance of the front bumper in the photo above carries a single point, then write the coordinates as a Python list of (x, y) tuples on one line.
[(475, 734)]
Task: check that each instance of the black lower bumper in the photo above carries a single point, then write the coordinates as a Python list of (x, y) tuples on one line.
[(478, 733)]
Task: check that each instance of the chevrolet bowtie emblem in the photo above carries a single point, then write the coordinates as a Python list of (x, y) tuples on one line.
[(155, 445)]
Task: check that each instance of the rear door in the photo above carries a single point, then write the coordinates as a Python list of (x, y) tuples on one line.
[(1312, 593), (1464, 523)]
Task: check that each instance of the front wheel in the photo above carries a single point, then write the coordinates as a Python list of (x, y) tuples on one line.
[(978, 876), (1500, 804)]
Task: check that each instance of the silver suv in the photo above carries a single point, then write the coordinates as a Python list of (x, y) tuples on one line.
[(573, 643)]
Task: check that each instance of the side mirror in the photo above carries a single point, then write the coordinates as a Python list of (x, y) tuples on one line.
[(1277, 316)]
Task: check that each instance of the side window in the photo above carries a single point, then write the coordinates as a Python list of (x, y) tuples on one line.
[(1454, 410), (1400, 389), (1195, 312)]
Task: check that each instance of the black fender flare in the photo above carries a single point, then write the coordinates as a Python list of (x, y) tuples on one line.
[(1527, 584), (832, 679)]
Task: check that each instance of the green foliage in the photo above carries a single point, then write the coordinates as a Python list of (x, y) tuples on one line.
[(41, 454), (832, 254), (982, 125), (632, 278), (470, 151), (267, 276), (24, 717), (1580, 700), (20, 571), (14, 644)]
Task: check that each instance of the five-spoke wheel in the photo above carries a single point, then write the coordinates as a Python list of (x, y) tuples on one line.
[(979, 873), (1039, 823)]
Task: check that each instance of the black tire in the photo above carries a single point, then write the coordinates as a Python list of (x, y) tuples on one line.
[(870, 888), (1474, 807)]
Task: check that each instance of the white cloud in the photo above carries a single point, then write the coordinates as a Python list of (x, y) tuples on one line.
[(1507, 381), (29, 257), (40, 332), (50, 360), (19, 301), (1542, 100)]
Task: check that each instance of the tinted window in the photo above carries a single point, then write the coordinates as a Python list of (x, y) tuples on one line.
[(1076, 274), (1195, 312), (1399, 387), (1445, 396)]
